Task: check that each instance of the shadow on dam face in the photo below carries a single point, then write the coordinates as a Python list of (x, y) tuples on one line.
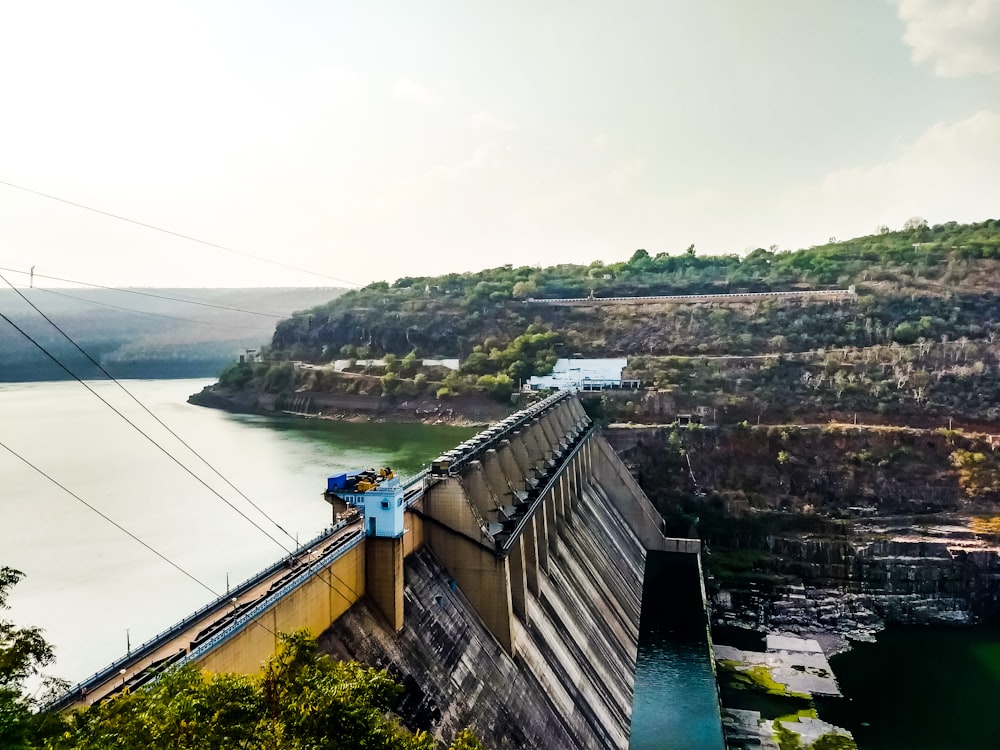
[(676, 703)]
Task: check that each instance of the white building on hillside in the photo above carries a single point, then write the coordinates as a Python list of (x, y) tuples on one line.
[(584, 375)]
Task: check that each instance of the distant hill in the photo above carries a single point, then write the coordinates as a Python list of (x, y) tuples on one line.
[(920, 281), (918, 343), (144, 333)]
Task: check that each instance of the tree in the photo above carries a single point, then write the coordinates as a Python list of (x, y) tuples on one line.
[(978, 475), (498, 386), (301, 699), (408, 365), (279, 377), (23, 652), (525, 289), (390, 383), (466, 740)]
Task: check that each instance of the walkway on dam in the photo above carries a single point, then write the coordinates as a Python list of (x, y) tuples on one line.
[(147, 661)]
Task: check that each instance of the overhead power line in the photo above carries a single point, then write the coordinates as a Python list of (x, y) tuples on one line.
[(182, 236), (151, 440), (143, 312), (110, 520), (141, 431), (143, 294), (167, 560), (142, 406)]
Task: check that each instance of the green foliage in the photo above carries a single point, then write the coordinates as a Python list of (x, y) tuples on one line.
[(531, 353), (238, 375), (466, 740), (978, 475), (450, 315), (408, 365), (279, 377), (498, 386), (956, 378), (23, 652), (905, 333), (301, 700), (390, 383), (834, 741)]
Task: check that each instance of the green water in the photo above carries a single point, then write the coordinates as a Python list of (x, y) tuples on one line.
[(676, 704), (408, 448), (921, 688), (91, 587)]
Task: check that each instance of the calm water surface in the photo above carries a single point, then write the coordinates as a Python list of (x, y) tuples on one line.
[(86, 582), (676, 705), (921, 688)]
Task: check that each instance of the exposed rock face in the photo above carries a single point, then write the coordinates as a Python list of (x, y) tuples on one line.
[(854, 590), (832, 529), (472, 408)]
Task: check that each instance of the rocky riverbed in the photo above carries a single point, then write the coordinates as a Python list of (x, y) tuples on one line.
[(891, 571)]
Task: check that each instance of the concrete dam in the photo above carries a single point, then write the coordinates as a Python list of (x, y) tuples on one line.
[(502, 587)]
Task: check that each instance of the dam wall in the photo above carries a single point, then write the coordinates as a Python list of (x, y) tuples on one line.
[(561, 672), (318, 601), (522, 612), (508, 597)]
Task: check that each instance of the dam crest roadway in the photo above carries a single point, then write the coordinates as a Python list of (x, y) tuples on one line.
[(502, 585)]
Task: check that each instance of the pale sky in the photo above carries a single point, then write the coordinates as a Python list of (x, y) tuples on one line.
[(372, 140)]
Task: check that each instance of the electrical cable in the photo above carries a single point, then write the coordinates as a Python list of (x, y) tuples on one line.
[(145, 544), (110, 520), (128, 533), (142, 432), (144, 294), (177, 234), (160, 447), (141, 405), (141, 312)]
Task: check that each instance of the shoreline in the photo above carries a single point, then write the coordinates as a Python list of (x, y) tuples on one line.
[(466, 410)]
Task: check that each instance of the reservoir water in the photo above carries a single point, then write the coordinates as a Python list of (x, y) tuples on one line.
[(92, 588)]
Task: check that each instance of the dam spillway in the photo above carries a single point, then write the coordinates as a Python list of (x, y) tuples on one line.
[(509, 601)]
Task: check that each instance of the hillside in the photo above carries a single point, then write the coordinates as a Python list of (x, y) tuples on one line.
[(917, 282), (140, 332), (917, 342)]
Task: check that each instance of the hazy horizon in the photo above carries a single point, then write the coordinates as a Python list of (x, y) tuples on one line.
[(369, 142)]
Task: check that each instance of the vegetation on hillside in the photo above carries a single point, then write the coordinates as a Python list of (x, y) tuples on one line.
[(919, 338), (949, 267), (926, 383)]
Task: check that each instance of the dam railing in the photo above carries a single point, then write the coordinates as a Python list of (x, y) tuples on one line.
[(151, 644), (237, 625)]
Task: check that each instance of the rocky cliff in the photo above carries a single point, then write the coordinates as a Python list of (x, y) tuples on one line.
[(834, 530)]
